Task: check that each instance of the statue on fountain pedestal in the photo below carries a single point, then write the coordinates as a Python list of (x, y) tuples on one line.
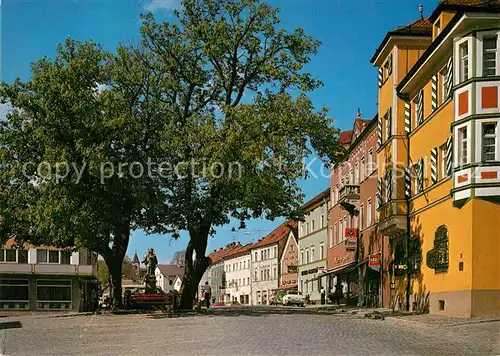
[(150, 262)]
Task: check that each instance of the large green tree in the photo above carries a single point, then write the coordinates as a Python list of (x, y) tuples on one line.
[(242, 126), (72, 124)]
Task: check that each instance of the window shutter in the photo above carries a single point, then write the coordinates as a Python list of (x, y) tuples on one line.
[(388, 186), (407, 182), (434, 94), (449, 77), (434, 175), (407, 118), (388, 123), (389, 65), (420, 107), (449, 155), (380, 77), (421, 175), (379, 193)]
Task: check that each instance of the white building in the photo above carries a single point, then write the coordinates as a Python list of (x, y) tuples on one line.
[(265, 263), (167, 276), (237, 271), (313, 246)]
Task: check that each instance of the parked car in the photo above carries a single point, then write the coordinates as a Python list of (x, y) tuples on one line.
[(294, 298)]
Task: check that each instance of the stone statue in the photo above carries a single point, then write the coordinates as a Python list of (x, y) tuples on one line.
[(150, 261)]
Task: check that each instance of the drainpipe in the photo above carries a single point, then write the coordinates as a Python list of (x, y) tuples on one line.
[(408, 232)]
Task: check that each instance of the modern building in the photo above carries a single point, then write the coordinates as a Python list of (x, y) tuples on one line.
[(439, 159), (46, 278), (312, 244), (265, 263), (237, 270), (355, 248), (169, 277), (289, 263)]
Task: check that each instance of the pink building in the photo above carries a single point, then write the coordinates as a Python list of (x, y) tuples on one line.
[(356, 263)]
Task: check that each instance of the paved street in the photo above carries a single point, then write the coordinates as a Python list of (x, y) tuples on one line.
[(233, 334)]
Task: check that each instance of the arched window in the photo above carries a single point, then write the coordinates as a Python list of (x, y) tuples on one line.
[(415, 255), (438, 257)]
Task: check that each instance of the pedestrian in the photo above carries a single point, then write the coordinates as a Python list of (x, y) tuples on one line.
[(208, 292), (323, 296)]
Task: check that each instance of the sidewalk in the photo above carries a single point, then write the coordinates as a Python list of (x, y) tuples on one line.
[(443, 321)]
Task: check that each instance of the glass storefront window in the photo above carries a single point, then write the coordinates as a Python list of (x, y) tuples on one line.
[(14, 294), (54, 294)]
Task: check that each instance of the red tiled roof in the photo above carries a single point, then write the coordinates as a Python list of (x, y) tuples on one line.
[(325, 194), (465, 5), (277, 234), (171, 270), (223, 252), (238, 251), (420, 27), (345, 137)]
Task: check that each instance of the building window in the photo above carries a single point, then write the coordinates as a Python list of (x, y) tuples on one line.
[(302, 257), (362, 169), (438, 257), (398, 264), (415, 255), (322, 221), (256, 279), (368, 212), (356, 174), (360, 218), (321, 251), (307, 255), (336, 234), (275, 252), (369, 166), (464, 61), (442, 152), (255, 258), (312, 225), (248, 281), (275, 273), (10, 255), (53, 294), (312, 254), (462, 149), (14, 293), (489, 142), (489, 56)]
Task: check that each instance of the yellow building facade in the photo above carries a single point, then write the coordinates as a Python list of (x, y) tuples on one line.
[(439, 159)]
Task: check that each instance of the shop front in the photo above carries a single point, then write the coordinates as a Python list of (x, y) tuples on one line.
[(343, 272)]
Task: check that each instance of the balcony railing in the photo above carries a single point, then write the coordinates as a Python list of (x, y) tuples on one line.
[(349, 193)]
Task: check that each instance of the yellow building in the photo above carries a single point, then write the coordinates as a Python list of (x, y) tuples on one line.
[(439, 158)]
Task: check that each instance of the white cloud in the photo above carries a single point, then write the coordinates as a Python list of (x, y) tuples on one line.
[(162, 5)]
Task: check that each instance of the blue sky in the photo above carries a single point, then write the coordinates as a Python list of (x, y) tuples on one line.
[(350, 31)]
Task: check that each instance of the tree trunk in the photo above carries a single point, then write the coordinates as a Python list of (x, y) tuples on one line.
[(115, 287), (114, 259), (194, 269)]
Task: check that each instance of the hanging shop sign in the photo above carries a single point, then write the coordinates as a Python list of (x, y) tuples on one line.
[(351, 233), (375, 261)]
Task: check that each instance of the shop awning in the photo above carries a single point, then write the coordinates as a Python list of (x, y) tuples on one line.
[(341, 269)]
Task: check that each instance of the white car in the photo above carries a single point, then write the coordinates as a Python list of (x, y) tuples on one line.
[(294, 298)]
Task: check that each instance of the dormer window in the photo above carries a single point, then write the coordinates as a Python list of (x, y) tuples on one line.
[(438, 27)]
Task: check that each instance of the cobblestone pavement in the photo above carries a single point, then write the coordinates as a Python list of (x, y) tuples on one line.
[(246, 334)]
